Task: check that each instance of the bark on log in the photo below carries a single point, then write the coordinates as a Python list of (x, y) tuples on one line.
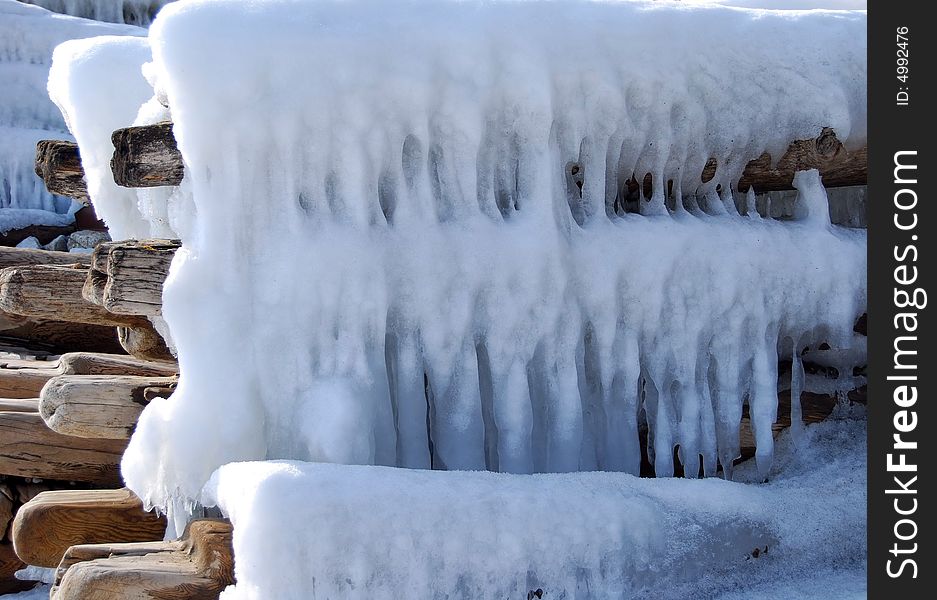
[(30, 449), (146, 156), (196, 567), (127, 277), (99, 406), (52, 522), (58, 164)]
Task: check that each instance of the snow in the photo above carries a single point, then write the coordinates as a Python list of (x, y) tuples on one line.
[(377, 532), (28, 36), (383, 262)]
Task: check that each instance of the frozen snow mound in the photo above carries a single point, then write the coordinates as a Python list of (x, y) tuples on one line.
[(372, 532), (378, 532), (28, 35), (131, 12), (387, 263)]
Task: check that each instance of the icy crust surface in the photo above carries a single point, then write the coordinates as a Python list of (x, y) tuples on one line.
[(387, 262), (373, 532), (28, 36)]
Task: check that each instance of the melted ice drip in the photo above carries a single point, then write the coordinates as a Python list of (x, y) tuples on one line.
[(392, 261)]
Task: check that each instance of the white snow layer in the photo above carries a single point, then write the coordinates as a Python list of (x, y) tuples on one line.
[(131, 12), (388, 262), (374, 532), (28, 35)]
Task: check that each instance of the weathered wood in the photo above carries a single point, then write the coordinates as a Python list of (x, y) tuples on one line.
[(30, 449), (146, 156), (196, 567), (56, 337), (6, 509), (99, 406), (144, 343), (58, 164), (838, 167), (52, 522), (127, 277), (19, 405), (25, 379), (54, 292), (10, 564)]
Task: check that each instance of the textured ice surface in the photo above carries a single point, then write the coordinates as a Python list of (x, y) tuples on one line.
[(373, 532), (388, 260), (131, 12), (28, 35)]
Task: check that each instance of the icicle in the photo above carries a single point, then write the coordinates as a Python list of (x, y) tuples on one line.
[(797, 387)]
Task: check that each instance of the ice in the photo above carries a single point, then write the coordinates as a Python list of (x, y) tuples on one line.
[(98, 85), (387, 258), (28, 35), (375, 532), (131, 12)]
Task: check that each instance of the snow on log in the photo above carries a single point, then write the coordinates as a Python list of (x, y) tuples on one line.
[(58, 164), (198, 566), (30, 449), (99, 406), (127, 277), (52, 522), (146, 156)]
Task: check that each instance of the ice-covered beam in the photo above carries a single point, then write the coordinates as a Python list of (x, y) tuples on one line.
[(147, 156)]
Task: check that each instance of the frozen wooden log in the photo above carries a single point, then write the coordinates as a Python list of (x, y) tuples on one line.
[(54, 292), (146, 156), (58, 164), (52, 522), (127, 277), (30, 449), (196, 567), (99, 406)]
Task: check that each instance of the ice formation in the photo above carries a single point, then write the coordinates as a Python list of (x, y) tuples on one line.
[(372, 532), (387, 258), (131, 12), (28, 36)]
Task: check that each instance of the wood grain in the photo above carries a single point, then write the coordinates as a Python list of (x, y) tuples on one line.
[(58, 164), (30, 449), (52, 522), (99, 406), (196, 567)]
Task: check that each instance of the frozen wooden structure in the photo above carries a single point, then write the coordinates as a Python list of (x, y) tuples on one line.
[(69, 419)]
